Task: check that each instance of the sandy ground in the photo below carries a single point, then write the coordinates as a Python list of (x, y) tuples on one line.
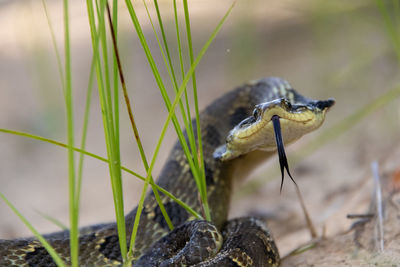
[(323, 50)]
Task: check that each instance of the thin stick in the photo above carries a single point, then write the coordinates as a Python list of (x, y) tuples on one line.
[(378, 195), (360, 216), (310, 224), (284, 165)]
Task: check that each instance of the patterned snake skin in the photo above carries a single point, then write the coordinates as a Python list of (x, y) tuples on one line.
[(238, 242)]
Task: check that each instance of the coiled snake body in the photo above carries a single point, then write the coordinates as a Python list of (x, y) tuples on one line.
[(244, 115)]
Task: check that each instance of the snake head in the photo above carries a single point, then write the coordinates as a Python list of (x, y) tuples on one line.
[(257, 131)]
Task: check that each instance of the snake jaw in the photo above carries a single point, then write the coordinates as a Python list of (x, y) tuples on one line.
[(257, 131)]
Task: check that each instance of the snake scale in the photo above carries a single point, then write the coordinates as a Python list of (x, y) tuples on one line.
[(237, 135)]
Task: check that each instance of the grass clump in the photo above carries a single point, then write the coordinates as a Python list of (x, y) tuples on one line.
[(109, 75)]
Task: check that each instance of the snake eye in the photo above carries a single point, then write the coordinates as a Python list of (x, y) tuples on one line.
[(286, 103), (257, 112)]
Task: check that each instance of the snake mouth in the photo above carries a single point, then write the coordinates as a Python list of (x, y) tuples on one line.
[(261, 122), (257, 131), (291, 116), (267, 126)]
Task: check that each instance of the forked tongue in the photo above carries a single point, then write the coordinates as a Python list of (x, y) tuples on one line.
[(281, 149)]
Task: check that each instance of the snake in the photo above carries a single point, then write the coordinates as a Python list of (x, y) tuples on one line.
[(238, 134)]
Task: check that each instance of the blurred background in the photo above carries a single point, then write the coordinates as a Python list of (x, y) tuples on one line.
[(338, 49)]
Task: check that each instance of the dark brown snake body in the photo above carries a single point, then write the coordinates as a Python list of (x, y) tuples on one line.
[(245, 241)]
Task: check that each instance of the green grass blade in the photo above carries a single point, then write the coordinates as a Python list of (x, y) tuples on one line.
[(42, 240), (178, 39), (116, 97), (115, 85), (171, 72), (53, 142), (115, 69), (199, 152), (53, 220), (74, 232), (170, 67), (84, 132), (390, 26), (101, 7), (182, 67), (53, 39), (187, 120), (80, 168), (106, 73), (109, 129), (160, 84)]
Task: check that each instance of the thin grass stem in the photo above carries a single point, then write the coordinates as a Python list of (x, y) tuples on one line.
[(41, 239), (74, 232), (53, 142), (53, 220), (109, 129), (84, 131), (53, 39), (186, 118), (199, 154), (390, 27)]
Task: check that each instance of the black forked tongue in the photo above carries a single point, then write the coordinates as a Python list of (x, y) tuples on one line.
[(281, 149)]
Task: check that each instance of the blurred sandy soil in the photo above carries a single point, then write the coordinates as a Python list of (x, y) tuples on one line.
[(324, 48)]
